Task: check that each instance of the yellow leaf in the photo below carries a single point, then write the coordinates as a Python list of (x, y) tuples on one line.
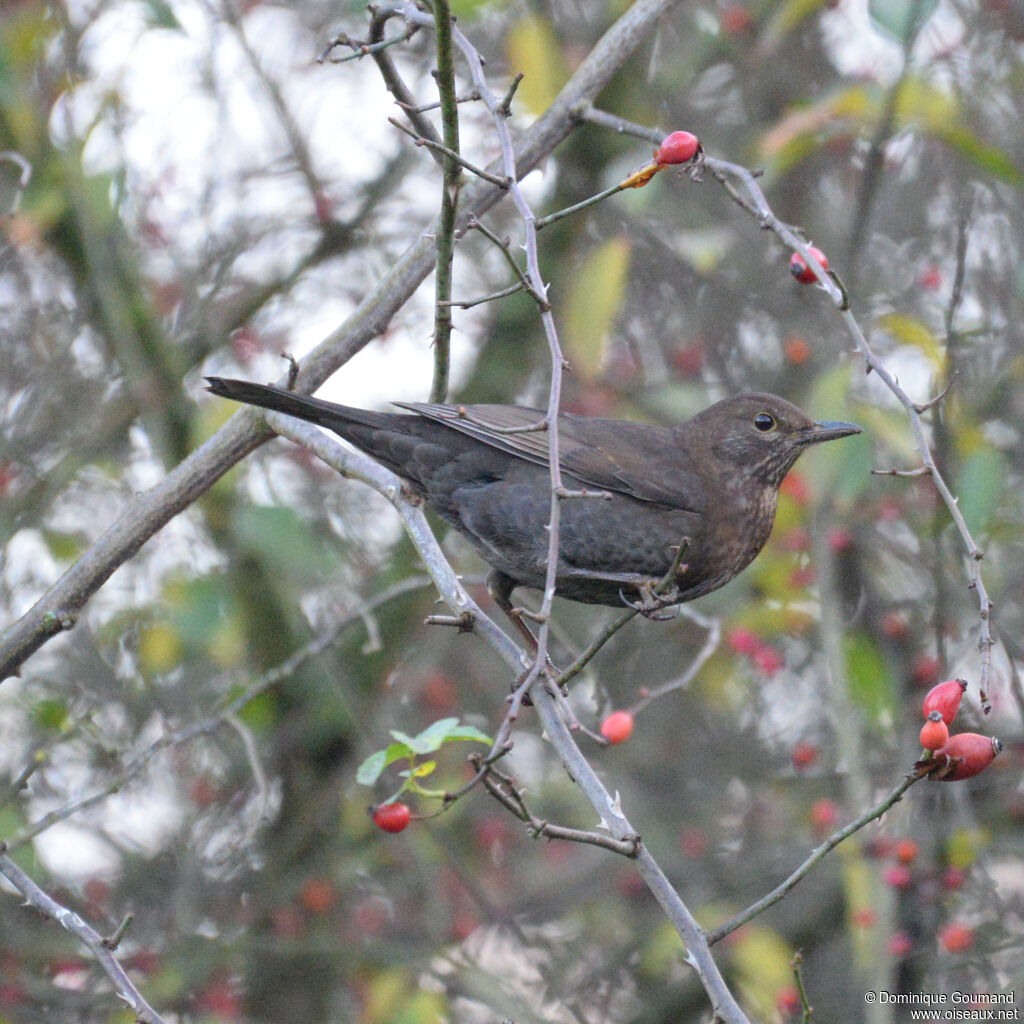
[(911, 331), (964, 846), (593, 305), (761, 959), (532, 48), (159, 649)]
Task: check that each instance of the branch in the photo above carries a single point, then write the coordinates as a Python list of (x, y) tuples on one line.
[(137, 764), (445, 236), (145, 514), (754, 202), (816, 855), (71, 922)]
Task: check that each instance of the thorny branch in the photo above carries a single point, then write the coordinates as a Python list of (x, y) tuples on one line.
[(719, 933), (751, 198), (102, 949)]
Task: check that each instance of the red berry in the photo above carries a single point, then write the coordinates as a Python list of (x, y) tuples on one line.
[(906, 851), (864, 918), (925, 670), (897, 876), (794, 485), (677, 148), (934, 732), (956, 938), (894, 625), (944, 698), (391, 817), (693, 841), (787, 1001), (743, 641), (800, 268), (318, 895), (840, 539), (804, 755), (796, 349), (736, 20), (967, 754), (953, 879), (688, 360), (900, 944), (617, 727), (824, 815), (767, 660)]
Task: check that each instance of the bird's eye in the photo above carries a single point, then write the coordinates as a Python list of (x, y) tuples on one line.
[(764, 422)]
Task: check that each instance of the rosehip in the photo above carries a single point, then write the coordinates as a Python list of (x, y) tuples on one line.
[(906, 851), (897, 876), (617, 727), (968, 753), (934, 732), (864, 918), (804, 755), (800, 269), (953, 879), (787, 1001), (824, 815), (767, 660), (956, 938), (677, 148), (900, 944), (391, 817), (925, 670), (743, 641), (944, 698)]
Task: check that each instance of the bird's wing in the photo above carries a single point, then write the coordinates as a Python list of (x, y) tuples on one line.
[(637, 459)]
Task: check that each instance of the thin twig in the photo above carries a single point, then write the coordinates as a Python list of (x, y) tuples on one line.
[(470, 303), (719, 933), (85, 933), (451, 154), (502, 788), (135, 765)]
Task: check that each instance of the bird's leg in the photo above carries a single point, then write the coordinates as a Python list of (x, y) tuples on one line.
[(500, 587), (658, 594)]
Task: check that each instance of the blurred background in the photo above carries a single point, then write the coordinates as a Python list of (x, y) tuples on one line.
[(203, 197)]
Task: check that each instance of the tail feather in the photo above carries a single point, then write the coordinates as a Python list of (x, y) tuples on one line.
[(304, 407)]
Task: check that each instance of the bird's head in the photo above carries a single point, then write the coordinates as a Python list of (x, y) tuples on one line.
[(758, 437)]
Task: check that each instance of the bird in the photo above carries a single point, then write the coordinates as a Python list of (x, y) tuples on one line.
[(670, 513)]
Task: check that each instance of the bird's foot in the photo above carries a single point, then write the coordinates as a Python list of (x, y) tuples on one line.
[(655, 599)]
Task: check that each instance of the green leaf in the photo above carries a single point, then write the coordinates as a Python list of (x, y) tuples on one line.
[(468, 732), (287, 543), (160, 15), (430, 739), (979, 487), (369, 771), (901, 19), (870, 683), (51, 714)]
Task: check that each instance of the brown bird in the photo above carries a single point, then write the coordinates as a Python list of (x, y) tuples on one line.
[(710, 485)]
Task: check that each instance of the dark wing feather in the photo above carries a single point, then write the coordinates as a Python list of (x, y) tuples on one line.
[(609, 455)]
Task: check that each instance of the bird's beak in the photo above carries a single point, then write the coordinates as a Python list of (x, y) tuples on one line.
[(829, 430)]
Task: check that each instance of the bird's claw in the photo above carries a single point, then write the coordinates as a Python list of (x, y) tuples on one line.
[(654, 599)]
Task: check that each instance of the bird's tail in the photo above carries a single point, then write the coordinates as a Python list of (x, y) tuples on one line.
[(315, 410)]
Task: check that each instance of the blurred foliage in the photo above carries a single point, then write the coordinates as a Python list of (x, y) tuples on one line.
[(190, 211)]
